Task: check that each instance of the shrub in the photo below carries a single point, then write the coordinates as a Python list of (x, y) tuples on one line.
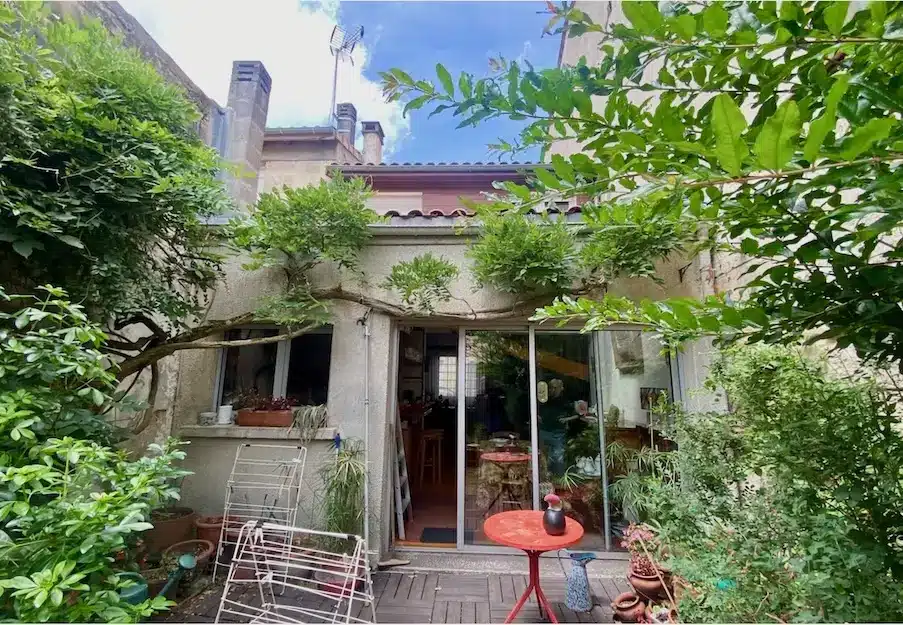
[(69, 505), (788, 506)]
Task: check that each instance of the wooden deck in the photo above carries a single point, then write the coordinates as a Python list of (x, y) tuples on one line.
[(447, 598)]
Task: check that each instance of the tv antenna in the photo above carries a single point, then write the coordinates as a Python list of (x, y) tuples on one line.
[(341, 43)]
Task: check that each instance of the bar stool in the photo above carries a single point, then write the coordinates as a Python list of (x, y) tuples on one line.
[(431, 454)]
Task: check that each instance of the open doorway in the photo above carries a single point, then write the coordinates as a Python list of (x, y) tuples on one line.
[(427, 400)]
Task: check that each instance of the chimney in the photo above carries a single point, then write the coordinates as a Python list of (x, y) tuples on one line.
[(249, 99), (346, 122), (373, 142)]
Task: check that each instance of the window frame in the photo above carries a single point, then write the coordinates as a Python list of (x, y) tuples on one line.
[(283, 355)]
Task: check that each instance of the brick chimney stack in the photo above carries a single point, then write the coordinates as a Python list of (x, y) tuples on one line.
[(249, 99), (346, 123), (373, 142)]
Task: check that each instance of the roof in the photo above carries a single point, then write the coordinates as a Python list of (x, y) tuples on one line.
[(438, 167), (461, 212)]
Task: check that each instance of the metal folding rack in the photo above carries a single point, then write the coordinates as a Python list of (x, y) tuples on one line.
[(307, 581), (264, 486)]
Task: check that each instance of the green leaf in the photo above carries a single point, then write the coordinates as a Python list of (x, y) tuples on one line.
[(715, 19), (820, 127), (866, 136), (775, 144), (878, 10), (835, 16), (97, 397), (547, 178), (685, 26), (749, 246), (643, 15), (728, 125), (446, 79), (24, 248), (70, 240)]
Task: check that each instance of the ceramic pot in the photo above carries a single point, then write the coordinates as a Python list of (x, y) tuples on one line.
[(553, 521), (648, 586), (265, 418), (628, 608), (209, 528)]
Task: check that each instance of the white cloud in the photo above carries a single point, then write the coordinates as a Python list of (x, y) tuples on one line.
[(289, 37)]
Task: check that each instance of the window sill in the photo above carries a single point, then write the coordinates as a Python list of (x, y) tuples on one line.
[(236, 431)]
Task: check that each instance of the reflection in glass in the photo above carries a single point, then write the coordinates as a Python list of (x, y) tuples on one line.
[(635, 376), (569, 460), (497, 426)]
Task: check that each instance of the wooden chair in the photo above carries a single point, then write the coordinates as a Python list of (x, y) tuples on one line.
[(431, 455)]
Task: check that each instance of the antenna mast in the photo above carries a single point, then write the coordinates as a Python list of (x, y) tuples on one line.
[(341, 43)]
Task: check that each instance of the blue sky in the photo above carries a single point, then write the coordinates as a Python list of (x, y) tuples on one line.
[(461, 35), (291, 38)]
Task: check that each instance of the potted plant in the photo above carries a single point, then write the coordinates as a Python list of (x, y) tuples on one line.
[(264, 411), (646, 577)]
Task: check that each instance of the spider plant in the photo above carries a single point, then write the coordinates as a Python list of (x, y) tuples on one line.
[(343, 483)]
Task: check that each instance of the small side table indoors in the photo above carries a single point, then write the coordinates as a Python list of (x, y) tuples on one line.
[(522, 529), (504, 460)]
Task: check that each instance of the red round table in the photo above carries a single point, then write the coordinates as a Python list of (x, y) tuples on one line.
[(501, 458), (523, 529)]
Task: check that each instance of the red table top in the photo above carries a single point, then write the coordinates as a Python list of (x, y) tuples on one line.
[(505, 456), (523, 529)]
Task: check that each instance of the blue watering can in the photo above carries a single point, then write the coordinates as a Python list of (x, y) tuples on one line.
[(138, 592), (578, 596)]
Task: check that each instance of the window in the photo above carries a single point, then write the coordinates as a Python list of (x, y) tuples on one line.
[(448, 376), (298, 369)]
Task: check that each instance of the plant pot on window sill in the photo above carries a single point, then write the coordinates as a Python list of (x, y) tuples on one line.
[(265, 418)]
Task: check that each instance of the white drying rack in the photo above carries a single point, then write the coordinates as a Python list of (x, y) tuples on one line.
[(264, 486), (297, 583)]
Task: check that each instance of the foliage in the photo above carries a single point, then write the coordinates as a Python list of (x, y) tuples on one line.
[(68, 504), (343, 485), (774, 126), (422, 281), (51, 365), (518, 254), (104, 184), (296, 230), (788, 506), (251, 400)]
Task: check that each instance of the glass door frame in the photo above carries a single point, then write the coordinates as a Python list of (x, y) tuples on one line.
[(596, 351)]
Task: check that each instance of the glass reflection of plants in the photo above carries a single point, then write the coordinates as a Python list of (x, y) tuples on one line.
[(502, 360)]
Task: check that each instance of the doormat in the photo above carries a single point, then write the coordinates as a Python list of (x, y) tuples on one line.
[(445, 535)]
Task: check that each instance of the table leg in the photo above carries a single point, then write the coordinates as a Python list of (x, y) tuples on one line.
[(533, 557)]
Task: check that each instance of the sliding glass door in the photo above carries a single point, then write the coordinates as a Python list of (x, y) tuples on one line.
[(549, 410)]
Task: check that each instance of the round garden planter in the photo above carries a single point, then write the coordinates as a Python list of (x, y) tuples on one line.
[(171, 525), (628, 607)]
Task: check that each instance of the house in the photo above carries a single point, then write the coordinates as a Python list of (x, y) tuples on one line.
[(494, 412)]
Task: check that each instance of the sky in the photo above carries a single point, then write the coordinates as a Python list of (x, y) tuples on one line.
[(291, 38)]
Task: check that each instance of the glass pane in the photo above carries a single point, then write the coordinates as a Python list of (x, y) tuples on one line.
[(308, 368), (634, 375), (569, 460), (250, 368), (497, 424)]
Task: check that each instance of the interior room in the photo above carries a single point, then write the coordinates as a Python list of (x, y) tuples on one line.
[(427, 400)]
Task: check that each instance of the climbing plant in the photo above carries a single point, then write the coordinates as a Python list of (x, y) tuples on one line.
[(774, 127)]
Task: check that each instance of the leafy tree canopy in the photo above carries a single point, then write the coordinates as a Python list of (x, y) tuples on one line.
[(772, 127), (104, 183)]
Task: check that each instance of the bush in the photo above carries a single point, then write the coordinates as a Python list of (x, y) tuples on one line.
[(70, 506), (787, 507)]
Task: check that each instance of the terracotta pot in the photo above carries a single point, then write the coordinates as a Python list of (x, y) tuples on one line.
[(265, 418), (335, 583), (202, 550), (209, 528), (648, 586), (628, 608), (176, 526)]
